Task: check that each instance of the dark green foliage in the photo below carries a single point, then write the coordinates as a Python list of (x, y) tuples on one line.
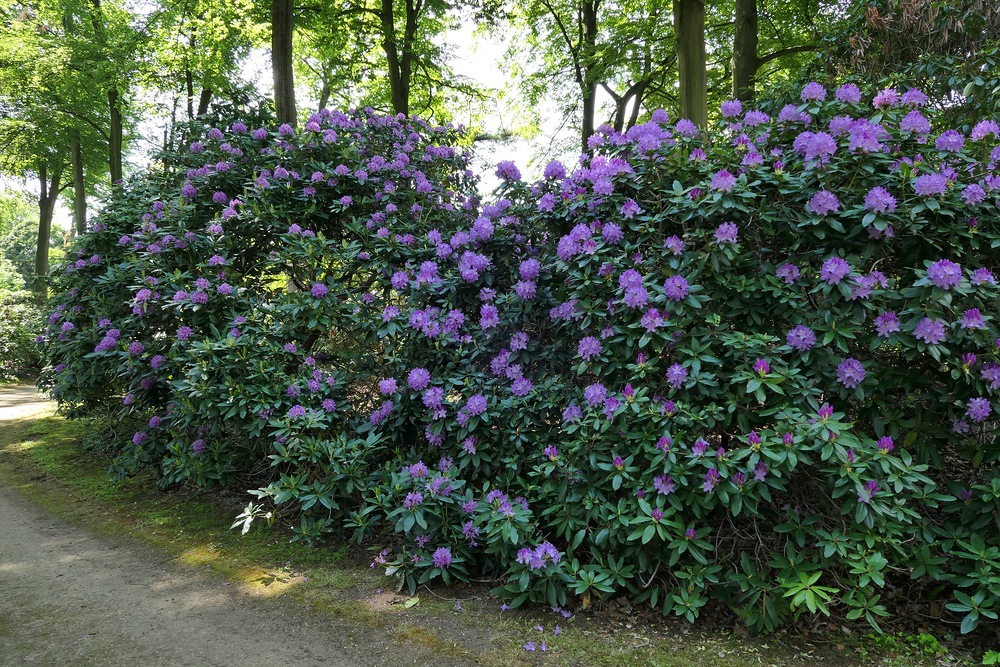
[(670, 373), (20, 323)]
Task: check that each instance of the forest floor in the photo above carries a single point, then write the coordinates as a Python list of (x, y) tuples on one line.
[(96, 572)]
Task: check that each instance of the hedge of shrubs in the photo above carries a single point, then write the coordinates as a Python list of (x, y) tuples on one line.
[(20, 322), (754, 366)]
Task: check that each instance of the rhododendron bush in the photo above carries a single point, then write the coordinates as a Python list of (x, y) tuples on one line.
[(755, 366)]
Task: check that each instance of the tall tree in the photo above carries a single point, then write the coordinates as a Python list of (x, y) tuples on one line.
[(387, 54), (745, 50), (79, 183), (197, 46), (689, 24), (281, 60), (44, 103), (771, 37), (573, 50)]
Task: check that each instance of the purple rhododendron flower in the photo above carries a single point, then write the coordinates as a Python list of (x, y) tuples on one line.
[(950, 141), (413, 499), (915, 122), (754, 117), (381, 413), (723, 181), (813, 91), (442, 557), (675, 245), (790, 114), (978, 409), (476, 405), (529, 269), (887, 323), (612, 233), (712, 479), (928, 185), (418, 379), (685, 128), (387, 386), (930, 331), (944, 274), (630, 209), (801, 338), (319, 290), (823, 202), (675, 288), (887, 97), (636, 297), (731, 108), (522, 387), (983, 129), (726, 233), (664, 485), (788, 272), (525, 289), (554, 170), (589, 348), (508, 171), (834, 270), (848, 93), (972, 319), (573, 412), (651, 320), (676, 376), (879, 200), (851, 373), (991, 373), (914, 98), (973, 194), (595, 394), (983, 276), (489, 317)]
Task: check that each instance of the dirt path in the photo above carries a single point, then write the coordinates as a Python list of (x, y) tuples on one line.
[(20, 400), (69, 598)]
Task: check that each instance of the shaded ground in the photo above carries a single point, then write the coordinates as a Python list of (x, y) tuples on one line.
[(68, 598)]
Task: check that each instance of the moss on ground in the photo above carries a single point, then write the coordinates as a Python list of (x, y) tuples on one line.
[(42, 458)]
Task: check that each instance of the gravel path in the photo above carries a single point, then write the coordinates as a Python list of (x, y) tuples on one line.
[(69, 598), (20, 400)]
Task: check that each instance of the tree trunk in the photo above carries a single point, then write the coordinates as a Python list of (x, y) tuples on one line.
[(46, 205), (115, 143), (399, 93), (189, 86), (745, 50), (204, 101), (413, 11), (588, 83), (689, 24), (324, 93), (281, 61), (114, 113), (79, 186)]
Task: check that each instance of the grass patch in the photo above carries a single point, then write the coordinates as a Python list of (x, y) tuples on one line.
[(43, 459)]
